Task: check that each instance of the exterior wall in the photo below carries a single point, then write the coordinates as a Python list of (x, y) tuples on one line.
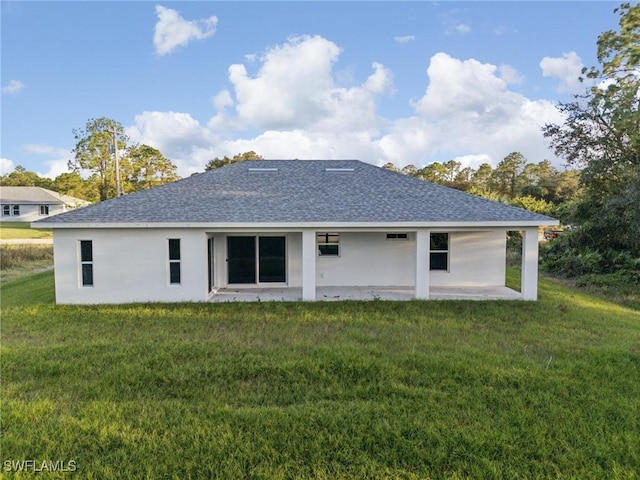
[(29, 213), (130, 265), (475, 259), (369, 259), (294, 259)]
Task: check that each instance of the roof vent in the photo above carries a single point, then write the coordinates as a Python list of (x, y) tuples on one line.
[(329, 169), (262, 169)]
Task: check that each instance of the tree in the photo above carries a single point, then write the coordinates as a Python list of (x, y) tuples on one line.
[(462, 181), (72, 184), (21, 177), (94, 152), (601, 133), (140, 166), (504, 179), (240, 157), (435, 172), (480, 180), (409, 170), (148, 168), (533, 204)]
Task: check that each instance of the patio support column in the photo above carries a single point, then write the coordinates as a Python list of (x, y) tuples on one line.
[(529, 276), (308, 265), (422, 264)]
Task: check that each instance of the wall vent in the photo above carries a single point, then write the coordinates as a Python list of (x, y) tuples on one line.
[(338, 170)]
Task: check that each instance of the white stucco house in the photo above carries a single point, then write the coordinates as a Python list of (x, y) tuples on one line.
[(300, 227), (28, 204)]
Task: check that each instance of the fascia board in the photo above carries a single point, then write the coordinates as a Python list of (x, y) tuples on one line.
[(290, 226)]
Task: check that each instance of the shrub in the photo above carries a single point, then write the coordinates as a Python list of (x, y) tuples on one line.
[(12, 256), (573, 255)]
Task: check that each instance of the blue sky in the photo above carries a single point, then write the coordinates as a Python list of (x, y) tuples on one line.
[(406, 82)]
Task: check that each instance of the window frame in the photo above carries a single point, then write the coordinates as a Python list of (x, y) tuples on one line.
[(393, 236), (15, 210), (44, 210), (86, 265), (327, 243), (438, 251), (6, 210), (174, 261)]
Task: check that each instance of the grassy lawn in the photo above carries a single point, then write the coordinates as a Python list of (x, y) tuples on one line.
[(411, 390), (11, 230)]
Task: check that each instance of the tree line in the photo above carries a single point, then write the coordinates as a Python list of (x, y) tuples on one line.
[(538, 187)]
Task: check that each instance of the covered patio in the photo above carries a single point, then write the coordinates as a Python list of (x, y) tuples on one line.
[(328, 294)]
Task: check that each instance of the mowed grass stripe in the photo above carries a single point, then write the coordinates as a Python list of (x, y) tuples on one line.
[(326, 390), (22, 230)]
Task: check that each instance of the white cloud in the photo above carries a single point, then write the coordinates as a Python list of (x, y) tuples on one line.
[(172, 31), (305, 144), (458, 29), (294, 106), (56, 167), (502, 30), (462, 87), (43, 149), (296, 88), (404, 38), (177, 135), (13, 87), (290, 89), (474, 161), (567, 69), (510, 75), (6, 166), (467, 110), (57, 158)]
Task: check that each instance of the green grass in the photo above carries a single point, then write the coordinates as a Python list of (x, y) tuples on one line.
[(14, 230), (28, 290), (335, 390)]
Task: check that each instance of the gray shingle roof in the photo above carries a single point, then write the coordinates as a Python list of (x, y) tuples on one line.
[(299, 191), (36, 195)]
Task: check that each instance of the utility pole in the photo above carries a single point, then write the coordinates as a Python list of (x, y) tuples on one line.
[(115, 134)]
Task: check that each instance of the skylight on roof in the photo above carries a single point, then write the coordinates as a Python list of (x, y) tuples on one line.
[(262, 169), (333, 169)]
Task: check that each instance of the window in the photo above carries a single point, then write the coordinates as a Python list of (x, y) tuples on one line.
[(44, 209), (328, 244), (16, 210), (439, 251), (397, 236), (86, 262), (6, 210), (174, 261)]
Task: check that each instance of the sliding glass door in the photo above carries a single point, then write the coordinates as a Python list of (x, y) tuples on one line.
[(271, 259), (256, 260), (241, 254)]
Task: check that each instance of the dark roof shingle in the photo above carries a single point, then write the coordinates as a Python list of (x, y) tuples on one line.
[(299, 191)]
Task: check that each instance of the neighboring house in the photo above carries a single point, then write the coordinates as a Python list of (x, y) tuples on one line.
[(296, 225), (28, 204)]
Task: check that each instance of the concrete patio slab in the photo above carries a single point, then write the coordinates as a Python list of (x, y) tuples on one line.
[(329, 294)]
